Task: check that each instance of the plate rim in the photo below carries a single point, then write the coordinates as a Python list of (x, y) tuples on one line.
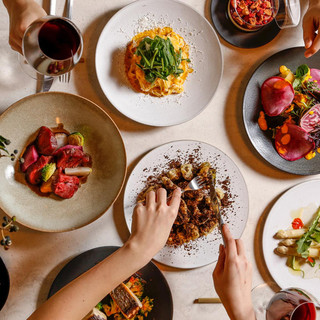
[(149, 264), (268, 219), (221, 152), (148, 123), (15, 105)]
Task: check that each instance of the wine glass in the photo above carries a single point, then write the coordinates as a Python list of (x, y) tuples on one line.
[(51, 46), (286, 304)]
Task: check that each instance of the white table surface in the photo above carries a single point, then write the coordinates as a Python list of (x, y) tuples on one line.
[(35, 258)]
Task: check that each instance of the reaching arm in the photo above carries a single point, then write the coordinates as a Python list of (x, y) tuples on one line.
[(21, 14), (232, 278), (150, 230), (311, 24)]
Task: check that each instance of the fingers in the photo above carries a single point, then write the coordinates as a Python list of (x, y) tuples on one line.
[(161, 196), (231, 248), (176, 198), (308, 32), (150, 198), (220, 263), (240, 248), (314, 47)]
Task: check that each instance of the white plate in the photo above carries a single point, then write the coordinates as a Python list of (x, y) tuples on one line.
[(204, 250), (205, 54), (302, 195)]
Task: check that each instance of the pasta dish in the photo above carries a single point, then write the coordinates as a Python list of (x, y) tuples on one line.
[(156, 62)]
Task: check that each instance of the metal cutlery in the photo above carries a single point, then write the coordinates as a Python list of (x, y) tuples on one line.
[(216, 201)]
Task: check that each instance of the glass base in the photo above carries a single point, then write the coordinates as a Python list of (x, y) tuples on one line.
[(261, 296)]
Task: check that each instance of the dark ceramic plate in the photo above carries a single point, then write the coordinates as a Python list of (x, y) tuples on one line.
[(4, 284), (156, 286), (292, 58), (230, 33)]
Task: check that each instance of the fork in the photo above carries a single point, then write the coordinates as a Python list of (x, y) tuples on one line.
[(66, 76)]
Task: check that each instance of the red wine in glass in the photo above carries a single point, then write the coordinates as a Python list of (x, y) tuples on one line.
[(52, 45), (58, 39), (291, 304)]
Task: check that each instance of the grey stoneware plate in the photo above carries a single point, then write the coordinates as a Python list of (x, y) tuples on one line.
[(156, 285), (262, 141), (230, 33), (20, 122), (4, 284)]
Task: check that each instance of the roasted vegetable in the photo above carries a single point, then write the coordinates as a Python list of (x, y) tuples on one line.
[(76, 139), (47, 171)]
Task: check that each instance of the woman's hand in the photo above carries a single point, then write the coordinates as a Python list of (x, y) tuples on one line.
[(152, 222), (311, 24), (232, 278), (21, 13)]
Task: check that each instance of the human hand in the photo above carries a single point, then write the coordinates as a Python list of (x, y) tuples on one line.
[(152, 222), (21, 14), (311, 24), (232, 278)]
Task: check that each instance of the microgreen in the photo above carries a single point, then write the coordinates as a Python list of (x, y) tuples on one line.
[(312, 234), (159, 58), (301, 73)]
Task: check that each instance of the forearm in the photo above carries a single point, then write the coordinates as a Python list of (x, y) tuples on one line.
[(244, 315), (76, 299)]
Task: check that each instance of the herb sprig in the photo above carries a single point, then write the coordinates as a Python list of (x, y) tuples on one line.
[(313, 234), (159, 58), (301, 73), (3, 146)]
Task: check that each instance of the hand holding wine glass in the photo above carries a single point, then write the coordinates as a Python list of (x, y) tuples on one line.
[(21, 14), (232, 278)]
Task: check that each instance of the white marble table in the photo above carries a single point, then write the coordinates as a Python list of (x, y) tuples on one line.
[(35, 257)]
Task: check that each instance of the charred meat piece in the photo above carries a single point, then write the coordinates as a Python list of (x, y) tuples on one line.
[(183, 216), (127, 301), (33, 174), (65, 186), (46, 142), (95, 314), (29, 157), (70, 158)]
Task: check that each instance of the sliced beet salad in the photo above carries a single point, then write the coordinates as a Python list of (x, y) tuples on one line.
[(56, 162), (291, 112)]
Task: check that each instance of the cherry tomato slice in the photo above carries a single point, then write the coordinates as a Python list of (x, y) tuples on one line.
[(297, 223)]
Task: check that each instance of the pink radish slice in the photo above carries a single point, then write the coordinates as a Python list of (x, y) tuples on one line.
[(315, 75), (311, 119), (292, 142), (276, 95)]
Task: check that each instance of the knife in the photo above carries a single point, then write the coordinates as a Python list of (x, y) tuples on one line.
[(216, 201), (44, 83)]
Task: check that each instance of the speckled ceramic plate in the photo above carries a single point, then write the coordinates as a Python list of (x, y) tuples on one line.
[(156, 285), (303, 195), (205, 249), (262, 141), (102, 141), (205, 55)]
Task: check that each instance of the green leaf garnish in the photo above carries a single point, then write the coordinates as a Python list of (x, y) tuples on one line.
[(159, 58), (304, 242)]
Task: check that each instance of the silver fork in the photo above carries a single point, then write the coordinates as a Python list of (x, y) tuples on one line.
[(66, 76)]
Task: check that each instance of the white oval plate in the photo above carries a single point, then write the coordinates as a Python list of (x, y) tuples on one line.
[(205, 55), (204, 250), (301, 195)]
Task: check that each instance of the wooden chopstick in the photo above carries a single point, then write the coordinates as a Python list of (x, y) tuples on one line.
[(207, 300)]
